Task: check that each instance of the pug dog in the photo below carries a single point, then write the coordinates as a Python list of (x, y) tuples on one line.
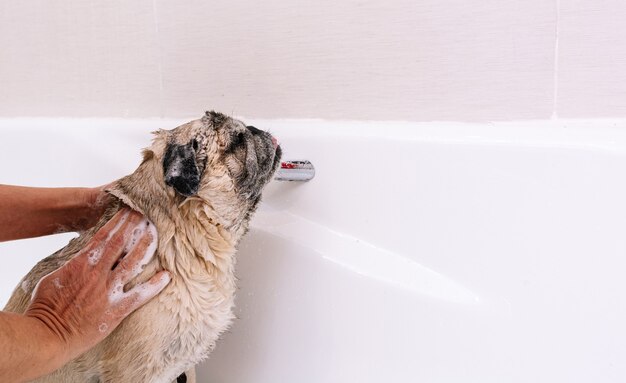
[(199, 184)]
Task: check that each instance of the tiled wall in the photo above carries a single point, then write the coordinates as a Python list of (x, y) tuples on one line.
[(416, 60)]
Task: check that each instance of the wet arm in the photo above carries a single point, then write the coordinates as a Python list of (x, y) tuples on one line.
[(28, 348), (78, 305), (32, 212)]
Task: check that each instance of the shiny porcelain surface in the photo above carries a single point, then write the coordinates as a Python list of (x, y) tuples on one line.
[(418, 253)]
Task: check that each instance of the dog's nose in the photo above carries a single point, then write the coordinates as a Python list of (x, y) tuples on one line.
[(254, 130)]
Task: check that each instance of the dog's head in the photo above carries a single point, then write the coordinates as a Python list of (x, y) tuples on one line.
[(219, 145), (217, 161)]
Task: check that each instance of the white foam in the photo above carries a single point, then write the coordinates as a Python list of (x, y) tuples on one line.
[(118, 225), (144, 290), (117, 292), (174, 170), (57, 283), (25, 285), (136, 235), (145, 226), (94, 256), (150, 250)]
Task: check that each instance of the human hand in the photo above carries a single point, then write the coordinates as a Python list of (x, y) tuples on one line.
[(83, 301), (95, 201)]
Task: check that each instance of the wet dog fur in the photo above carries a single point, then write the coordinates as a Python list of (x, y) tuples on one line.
[(199, 184)]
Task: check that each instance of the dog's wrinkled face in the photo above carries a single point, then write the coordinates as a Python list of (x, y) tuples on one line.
[(217, 151)]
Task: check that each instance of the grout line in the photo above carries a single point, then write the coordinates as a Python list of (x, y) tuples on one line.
[(555, 94), (159, 59)]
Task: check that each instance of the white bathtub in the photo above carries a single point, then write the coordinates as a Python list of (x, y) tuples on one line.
[(419, 253)]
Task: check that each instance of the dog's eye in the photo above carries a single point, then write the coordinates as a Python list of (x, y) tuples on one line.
[(238, 140), (194, 144)]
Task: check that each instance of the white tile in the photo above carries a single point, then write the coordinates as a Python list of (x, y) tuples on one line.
[(592, 59), (78, 58), (401, 59)]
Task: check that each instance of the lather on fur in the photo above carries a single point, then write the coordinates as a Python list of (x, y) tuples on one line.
[(199, 185)]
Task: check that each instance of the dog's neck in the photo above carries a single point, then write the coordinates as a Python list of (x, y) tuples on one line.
[(193, 246), (189, 224)]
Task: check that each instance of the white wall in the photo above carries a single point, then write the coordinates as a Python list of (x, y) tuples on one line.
[(337, 59)]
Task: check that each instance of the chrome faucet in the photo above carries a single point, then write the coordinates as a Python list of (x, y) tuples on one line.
[(295, 171)]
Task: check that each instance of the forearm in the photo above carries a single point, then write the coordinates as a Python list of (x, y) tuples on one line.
[(76, 306), (31, 212), (29, 349)]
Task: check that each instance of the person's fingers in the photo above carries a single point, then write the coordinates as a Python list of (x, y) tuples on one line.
[(143, 245), (92, 252), (112, 225), (118, 240), (139, 295)]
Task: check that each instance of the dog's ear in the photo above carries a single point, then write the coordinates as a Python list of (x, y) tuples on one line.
[(180, 168)]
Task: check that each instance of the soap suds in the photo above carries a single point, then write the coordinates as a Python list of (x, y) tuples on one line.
[(94, 256), (146, 290), (25, 285), (135, 236), (149, 253), (119, 224), (117, 292), (57, 283), (143, 290)]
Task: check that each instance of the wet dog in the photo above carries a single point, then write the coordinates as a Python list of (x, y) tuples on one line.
[(199, 184)]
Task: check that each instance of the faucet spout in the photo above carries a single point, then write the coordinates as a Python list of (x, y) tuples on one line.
[(300, 170)]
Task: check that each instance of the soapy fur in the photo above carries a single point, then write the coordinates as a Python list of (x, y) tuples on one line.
[(197, 238)]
